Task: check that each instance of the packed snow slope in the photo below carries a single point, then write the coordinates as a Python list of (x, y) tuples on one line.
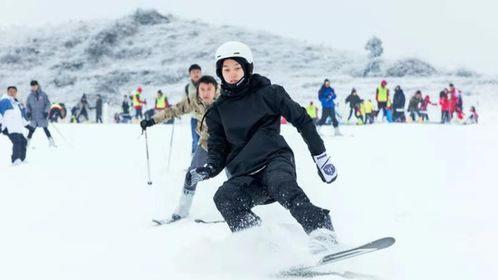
[(83, 210)]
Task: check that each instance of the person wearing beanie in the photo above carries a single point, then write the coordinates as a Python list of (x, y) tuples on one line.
[(195, 73), (244, 139), (37, 107), (207, 92)]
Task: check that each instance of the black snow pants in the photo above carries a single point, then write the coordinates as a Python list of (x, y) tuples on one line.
[(328, 112), (277, 182), (19, 144)]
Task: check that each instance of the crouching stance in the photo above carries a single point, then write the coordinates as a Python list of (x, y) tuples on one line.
[(244, 137)]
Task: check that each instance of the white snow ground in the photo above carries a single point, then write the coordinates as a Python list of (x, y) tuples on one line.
[(84, 210)]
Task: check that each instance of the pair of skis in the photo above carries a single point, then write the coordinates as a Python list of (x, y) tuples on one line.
[(172, 220)]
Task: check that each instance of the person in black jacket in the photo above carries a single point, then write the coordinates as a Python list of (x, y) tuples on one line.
[(399, 105), (244, 138), (98, 109), (354, 101)]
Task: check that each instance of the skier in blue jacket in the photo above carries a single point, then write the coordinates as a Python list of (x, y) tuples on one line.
[(327, 95)]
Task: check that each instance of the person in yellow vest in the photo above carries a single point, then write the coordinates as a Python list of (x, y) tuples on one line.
[(382, 96), (161, 102), (137, 103), (57, 110), (312, 111), (369, 109)]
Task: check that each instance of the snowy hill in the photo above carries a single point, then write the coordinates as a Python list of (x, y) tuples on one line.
[(146, 48), (84, 210)]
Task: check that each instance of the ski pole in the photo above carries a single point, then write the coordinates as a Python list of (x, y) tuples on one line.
[(171, 143), (62, 135), (149, 182)]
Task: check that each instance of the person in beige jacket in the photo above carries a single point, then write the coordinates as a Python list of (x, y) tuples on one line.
[(207, 92)]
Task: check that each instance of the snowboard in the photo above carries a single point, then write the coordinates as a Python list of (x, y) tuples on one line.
[(307, 271)]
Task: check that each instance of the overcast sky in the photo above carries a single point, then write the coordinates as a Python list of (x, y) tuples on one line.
[(448, 33)]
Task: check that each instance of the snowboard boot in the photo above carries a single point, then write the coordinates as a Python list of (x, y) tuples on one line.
[(337, 132), (322, 241), (51, 142), (184, 205), (17, 162)]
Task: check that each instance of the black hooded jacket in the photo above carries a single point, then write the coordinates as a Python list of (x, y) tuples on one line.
[(398, 99), (353, 100), (244, 127)]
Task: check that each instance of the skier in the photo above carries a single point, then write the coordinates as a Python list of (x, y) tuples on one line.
[(360, 113), (424, 116), (137, 103), (473, 117), (125, 107), (12, 124), (389, 111), (244, 138), (369, 112), (399, 105), (206, 94), (83, 108), (195, 73), (354, 102), (414, 105), (37, 107), (161, 102), (456, 96), (327, 95), (445, 106), (57, 110), (98, 109), (382, 96), (312, 111)]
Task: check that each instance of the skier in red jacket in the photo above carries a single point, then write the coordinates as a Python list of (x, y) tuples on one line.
[(445, 106), (424, 116)]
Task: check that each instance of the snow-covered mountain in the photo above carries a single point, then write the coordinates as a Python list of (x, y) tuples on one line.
[(112, 57)]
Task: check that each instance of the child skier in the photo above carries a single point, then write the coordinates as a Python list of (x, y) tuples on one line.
[(206, 93), (369, 112), (473, 118), (12, 124), (424, 116), (244, 138)]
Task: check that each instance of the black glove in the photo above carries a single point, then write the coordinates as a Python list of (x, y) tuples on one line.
[(146, 123), (28, 115), (5, 131), (198, 174), (45, 115)]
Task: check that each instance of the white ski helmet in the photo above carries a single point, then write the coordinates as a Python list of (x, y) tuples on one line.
[(233, 49)]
